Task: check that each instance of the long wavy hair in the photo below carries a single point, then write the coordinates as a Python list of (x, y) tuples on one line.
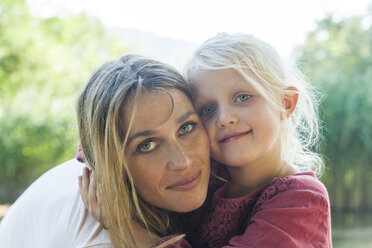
[(100, 107)]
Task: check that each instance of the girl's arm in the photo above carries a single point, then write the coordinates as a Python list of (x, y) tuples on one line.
[(297, 217)]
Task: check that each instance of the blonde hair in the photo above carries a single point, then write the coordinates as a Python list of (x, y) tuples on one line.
[(100, 109), (260, 65)]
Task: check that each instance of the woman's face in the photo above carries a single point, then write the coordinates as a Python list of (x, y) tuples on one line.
[(168, 151)]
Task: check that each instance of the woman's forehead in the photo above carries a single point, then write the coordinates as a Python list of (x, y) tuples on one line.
[(154, 108)]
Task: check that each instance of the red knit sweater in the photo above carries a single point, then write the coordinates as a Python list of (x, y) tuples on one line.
[(293, 211)]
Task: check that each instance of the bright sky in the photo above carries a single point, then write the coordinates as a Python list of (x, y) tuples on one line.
[(282, 23)]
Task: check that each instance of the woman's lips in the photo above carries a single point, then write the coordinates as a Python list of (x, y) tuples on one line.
[(233, 137), (186, 184)]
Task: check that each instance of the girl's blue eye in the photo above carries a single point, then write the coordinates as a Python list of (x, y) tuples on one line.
[(206, 110), (147, 146), (243, 98), (186, 128)]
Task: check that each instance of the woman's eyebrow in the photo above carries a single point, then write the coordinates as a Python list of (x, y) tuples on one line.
[(185, 116), (149, 132), (140, 134)]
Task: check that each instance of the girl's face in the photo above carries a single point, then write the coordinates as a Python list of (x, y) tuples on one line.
[(168, 151), (242, 127)]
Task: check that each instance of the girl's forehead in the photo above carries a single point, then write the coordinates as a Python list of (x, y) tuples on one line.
[(204, 82), (228, 75)]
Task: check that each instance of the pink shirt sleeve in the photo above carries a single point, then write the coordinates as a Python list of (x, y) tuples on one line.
[(298, 217), (79, 155)]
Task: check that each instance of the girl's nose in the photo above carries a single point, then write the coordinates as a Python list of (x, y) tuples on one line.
[(226, 118), (179, 158)]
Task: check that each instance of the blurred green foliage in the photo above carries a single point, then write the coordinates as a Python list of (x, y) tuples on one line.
[(43, 65), (337, 57), (45, 62)]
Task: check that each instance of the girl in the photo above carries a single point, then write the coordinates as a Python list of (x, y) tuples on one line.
[(261, 120)]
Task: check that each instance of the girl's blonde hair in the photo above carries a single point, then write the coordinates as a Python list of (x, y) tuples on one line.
[(100, 108), (260, 65)]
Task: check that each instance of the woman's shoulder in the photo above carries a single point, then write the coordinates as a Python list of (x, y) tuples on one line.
[(52, 206)]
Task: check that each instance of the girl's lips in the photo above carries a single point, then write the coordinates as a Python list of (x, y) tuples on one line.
[(186, 184), (233, 137)]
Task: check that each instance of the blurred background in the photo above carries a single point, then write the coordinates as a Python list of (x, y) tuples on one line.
[(49, 48)]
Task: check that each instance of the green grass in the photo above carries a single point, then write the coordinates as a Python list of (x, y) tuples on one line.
[(357, 238)]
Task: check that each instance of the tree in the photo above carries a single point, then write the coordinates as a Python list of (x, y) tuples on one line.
[(337, 56), (43, 65)]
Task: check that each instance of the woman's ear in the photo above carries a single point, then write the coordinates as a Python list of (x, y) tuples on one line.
[(290, 100)]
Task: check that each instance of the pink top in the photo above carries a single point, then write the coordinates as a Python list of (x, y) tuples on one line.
[(293, 211)]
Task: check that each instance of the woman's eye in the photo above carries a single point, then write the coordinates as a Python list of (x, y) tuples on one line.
[(147, 146), (243, 98), (186, 128), (206, 110)]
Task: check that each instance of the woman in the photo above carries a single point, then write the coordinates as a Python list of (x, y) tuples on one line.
[(141, 180)]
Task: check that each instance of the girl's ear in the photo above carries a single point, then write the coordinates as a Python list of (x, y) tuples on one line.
[(290, 100)]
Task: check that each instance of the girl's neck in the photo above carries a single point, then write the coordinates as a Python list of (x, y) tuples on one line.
[(245, 179)]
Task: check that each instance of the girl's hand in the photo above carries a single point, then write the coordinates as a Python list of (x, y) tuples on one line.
[(88, 192), (89, 195)]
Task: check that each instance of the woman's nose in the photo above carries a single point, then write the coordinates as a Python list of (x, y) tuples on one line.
[(179, 158)]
